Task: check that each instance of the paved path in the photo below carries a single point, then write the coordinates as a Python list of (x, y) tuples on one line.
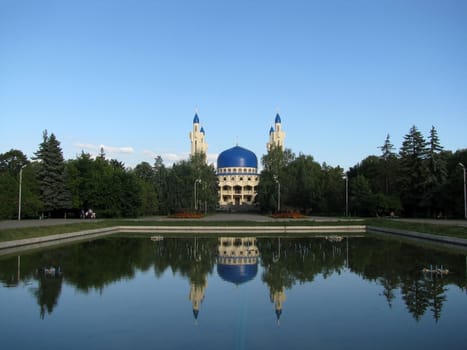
[(6, 224), (462, 223)]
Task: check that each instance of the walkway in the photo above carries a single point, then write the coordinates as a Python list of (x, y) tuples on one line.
[(7, 224)]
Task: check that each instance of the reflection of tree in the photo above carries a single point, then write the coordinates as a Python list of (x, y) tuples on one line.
[(415, 297), (391, 264), (301, 259), (48, 292), (389, 283), (191, 257), (436, 290)]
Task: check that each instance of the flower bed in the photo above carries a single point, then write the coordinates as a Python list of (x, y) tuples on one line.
[(185, 215), (288, 215)]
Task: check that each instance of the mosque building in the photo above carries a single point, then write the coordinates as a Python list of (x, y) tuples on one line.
[(237, 167)]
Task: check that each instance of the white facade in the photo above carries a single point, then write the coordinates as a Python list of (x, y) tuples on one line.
[(237, 186)]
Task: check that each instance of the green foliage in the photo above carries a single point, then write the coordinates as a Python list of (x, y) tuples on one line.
[(421, 180), (362, 198), (51, 175), (11, 164), (106, 187)]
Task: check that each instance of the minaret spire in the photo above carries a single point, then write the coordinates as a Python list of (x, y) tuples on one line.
[(197, 137), (276, 135)]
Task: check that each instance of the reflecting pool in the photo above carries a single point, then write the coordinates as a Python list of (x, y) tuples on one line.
[(142, 292)]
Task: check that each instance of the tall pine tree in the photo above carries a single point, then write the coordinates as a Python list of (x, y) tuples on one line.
[(437, 173), (413, 171), (51, 175)]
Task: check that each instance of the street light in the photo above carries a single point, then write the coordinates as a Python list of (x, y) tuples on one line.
[(197, 181), (346, 178), (278, 193), (19, 192), (465, 194)]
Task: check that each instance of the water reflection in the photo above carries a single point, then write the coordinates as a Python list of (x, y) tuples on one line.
[(280, 263), (237, 259)]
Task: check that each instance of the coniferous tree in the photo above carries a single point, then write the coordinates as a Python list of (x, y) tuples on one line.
[(387, 149), (51, 176), (161, 175), (413, 170), (437, 173)]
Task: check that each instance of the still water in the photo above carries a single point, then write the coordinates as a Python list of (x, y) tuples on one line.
[(126, 292)]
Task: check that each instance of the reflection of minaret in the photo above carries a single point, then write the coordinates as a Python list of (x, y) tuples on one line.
[(196, 296), (278, 298)]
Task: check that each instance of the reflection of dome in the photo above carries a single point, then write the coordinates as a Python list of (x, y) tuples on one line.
[(237, 157), (237, 260), (237, 274)]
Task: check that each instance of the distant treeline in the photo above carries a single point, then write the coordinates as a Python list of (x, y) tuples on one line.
[(422, 179)]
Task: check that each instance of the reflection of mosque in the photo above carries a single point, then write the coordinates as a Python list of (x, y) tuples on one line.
[(237, 260), (237, 263)]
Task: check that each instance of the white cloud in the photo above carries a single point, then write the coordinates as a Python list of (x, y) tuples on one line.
[(86, 146), (107, 149), (117, 150)]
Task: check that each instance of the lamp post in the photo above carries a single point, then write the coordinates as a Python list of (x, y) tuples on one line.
[(19, 192), (197, 181), (278, 193), (346, 178), (465, 190)]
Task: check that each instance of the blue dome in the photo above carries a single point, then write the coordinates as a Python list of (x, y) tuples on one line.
[(271, 130), (237, 157), (237, 274), (202, 130), (196, 119), (278, 118)]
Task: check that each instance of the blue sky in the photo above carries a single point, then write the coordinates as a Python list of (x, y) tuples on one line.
[(129, 74)]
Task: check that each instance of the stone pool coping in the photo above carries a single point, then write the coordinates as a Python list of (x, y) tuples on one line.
[(37, 242)]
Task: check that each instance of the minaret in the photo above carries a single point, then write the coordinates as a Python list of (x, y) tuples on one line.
[(197, 138), (276, 135)]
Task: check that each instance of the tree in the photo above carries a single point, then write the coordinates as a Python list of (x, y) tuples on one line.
[(51, 175), (437, 173), (302, 184), (333, 191), (145, 174), (387, 149), (11, 163), (274, 163), (161, 175), (413, 171), (389, 167), (362, 199)]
